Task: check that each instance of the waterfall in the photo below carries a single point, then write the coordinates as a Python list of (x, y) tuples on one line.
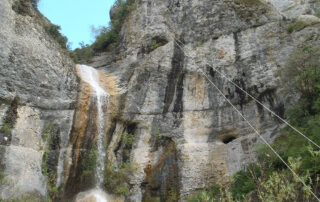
[(91, 76)]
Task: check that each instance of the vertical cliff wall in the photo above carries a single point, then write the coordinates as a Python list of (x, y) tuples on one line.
[(38, 92), (186, 135)]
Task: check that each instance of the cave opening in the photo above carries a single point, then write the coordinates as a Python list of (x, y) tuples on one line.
[(228, 139)]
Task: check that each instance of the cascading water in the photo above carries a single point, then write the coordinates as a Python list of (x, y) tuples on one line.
[(91, 76)]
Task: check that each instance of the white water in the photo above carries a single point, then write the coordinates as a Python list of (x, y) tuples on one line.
[(92, 195), (91, 76)]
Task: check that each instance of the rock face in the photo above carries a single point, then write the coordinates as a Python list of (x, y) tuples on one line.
[(37, 99), (186, 135), (166, 97)]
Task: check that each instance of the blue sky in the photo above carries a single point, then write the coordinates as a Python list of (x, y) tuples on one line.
[(76, 17)]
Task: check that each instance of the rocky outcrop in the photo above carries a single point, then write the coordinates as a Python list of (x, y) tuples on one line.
[(163, 90), (37, 100)]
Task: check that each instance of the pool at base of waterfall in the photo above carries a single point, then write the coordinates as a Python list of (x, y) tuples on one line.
[(96, 195)]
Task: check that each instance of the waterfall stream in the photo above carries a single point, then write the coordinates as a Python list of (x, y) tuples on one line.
[(91, 76)]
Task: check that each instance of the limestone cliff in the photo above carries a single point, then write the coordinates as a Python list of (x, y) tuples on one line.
[(186, 135), (38, 92)]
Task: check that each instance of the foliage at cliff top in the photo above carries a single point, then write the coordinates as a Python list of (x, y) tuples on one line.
[(34, 3), (108, 37)]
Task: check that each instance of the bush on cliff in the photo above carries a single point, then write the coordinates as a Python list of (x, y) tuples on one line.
[(82, 54), (54, 31), (108, 37), (117, 179), (34, 3)]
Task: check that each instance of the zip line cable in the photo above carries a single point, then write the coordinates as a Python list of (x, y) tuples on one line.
[(262, 138), (256, 131), (255, 99)]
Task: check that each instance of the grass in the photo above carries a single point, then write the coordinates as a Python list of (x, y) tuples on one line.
[(47, 132), (297, 26), (6, 128), (155, 45), (45, 158)]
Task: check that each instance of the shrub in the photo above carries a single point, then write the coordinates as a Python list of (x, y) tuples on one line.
[(291, 28), (215, 193), (127, 138), (89, 163), (301, 75), (243, 181), (81, 54), (270, 179), (116, 179), (284, 186), (126, 141), (105, 39), (109, 36), (34, 3), (155, 44), (54, 31)]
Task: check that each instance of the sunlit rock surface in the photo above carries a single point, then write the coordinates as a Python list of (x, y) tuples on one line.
[(164, 95), (38, 88), (186, 135)]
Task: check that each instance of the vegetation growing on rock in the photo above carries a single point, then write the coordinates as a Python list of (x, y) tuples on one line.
[(54, 31), (269, 179), (47, 136), (117, 179), (89, 164), (2, 176), (34, 3), (108, 37), (296, 26), (249, 3)]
